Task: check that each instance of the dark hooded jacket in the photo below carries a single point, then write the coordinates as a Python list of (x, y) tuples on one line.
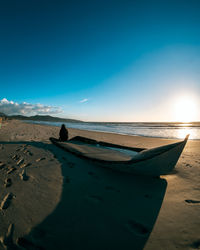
[(63, 133)]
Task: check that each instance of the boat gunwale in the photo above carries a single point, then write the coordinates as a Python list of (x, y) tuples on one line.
[(129, 162)]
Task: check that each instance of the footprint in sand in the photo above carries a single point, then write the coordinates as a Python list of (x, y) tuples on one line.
[(7, 182), (23, 175), (29, 152), (10, 170), (25, 165), (21, 148), (15, 157), (2, 165), (40, 159), (192, 201), (188, 165), (25, 150), (20, 161), (95, 198), (6, 201), (137, 228), (7, 240), (110, 188)]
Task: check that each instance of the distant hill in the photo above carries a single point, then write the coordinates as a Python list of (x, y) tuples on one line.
[(46, 118)]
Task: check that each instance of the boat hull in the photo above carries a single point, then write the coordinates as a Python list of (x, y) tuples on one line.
[(153, 162)]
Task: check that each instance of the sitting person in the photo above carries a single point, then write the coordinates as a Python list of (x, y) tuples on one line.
[(63, 133)]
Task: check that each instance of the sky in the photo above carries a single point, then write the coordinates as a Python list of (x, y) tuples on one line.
[(101, 60)]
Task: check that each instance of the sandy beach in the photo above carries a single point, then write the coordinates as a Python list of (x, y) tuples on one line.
[(50, 199)]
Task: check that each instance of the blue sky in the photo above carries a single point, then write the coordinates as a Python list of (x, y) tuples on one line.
[(100, 60)]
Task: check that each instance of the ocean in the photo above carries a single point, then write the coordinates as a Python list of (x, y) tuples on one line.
[(160, 130)]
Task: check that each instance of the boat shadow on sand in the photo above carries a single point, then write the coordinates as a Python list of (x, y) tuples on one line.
[(98, 209)]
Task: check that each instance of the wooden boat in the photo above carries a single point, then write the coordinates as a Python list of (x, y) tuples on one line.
[(154, 162)]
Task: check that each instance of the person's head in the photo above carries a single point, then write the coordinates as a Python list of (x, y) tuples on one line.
[(63, 126)]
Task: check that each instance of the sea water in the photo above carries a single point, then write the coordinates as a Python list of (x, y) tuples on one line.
[(161, 130)]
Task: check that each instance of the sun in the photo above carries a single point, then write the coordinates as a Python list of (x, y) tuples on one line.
[(185, 109)]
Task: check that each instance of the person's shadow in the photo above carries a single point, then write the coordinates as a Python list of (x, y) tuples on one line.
[(99, 208)]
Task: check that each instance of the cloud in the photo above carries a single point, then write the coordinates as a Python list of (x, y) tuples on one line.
[(84, 100), (14, 108)]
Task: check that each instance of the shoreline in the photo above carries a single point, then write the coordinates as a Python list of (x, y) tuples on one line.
[(64, 195), (114, 132)]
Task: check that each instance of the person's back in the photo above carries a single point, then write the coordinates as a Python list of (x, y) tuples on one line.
[(63, 133)]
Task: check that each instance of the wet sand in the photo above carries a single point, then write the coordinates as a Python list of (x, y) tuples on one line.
[(51, 199)]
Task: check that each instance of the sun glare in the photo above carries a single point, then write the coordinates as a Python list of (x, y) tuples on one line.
[(185, 109)]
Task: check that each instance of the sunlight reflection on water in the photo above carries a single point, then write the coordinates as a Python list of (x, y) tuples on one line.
[(181, 133), (185, 124)]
